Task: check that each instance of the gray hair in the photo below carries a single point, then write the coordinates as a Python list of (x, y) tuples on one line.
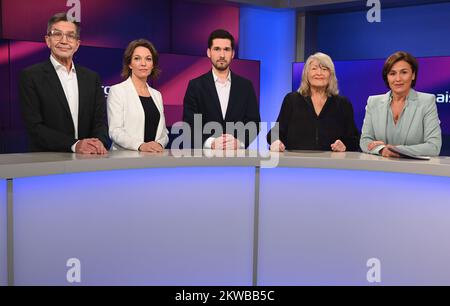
[(62, 17), (324, 61)]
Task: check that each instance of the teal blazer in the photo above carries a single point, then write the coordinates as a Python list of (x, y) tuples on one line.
[(422, 132)]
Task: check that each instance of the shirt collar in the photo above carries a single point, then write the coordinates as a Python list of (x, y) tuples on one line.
[(410, 96), (58, 66), (216, 78)]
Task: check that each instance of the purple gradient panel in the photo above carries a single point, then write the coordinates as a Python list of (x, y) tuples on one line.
[(250, 70), (360, 79), (178, 70), (108, 23), (1, 20), (173, 113), (434, 77), (104, 23), (357, 81), (4, 85), (193, 22), (22, 55), (27, 19), (297, 69), (106, 62)]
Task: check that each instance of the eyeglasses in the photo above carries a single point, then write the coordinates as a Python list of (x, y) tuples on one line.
[(58, 35)]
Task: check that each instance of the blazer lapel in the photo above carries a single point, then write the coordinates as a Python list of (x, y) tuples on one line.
[(52, 78), (156, 100), (234, 95), (82, 93), (408, 114), (382, 120), (133, 96), (211, 86), (134, 102)]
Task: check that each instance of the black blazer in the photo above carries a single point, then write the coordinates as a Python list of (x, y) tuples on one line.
[(46, 112), (201, 98), (301, 129)]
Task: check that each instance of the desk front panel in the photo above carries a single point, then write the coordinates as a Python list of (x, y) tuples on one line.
[(166, 226), (345, 227)]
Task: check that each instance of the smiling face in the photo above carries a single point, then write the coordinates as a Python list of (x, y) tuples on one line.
[(63, 41), (221, 53), (141, 63), (400, 78), (318, 75)]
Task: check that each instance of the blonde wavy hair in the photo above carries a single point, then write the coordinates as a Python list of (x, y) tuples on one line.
[(324, 61)]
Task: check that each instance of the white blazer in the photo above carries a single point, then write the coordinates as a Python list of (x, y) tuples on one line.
[(126, 117)]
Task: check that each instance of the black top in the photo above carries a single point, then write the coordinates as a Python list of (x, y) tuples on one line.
[(301, 129), (152, 117)]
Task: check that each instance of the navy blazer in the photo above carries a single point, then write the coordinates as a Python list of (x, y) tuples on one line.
[(46, 112), (201, 98)]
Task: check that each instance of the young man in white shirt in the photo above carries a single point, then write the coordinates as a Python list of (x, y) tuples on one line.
[(222, 98)]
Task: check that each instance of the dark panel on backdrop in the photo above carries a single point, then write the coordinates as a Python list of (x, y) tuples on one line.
[(104, 23), (193, 22)]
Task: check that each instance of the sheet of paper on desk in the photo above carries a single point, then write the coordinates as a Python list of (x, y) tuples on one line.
[(405, 154)]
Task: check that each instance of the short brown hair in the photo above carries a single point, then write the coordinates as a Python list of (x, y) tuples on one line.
[(400, 56), (220, 33), (63, 17), (126, 71)]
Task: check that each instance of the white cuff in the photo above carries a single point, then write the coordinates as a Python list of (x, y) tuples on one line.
[(208, 143), (73, 148), (378, 149)]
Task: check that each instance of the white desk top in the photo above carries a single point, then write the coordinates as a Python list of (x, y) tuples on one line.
[(38, 164)]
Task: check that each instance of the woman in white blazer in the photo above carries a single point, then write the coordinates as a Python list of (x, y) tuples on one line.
[(135, 110), (403, 117)]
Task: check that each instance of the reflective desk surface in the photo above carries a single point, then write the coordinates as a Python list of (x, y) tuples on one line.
[(39, 164)]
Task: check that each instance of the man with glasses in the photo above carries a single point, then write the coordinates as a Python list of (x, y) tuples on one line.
[(63, 105)]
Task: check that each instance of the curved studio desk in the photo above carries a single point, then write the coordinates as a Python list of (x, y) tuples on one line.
[(135, 218)]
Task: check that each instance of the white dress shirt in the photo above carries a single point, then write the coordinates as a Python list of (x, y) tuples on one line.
[(223, 89), (69, 84)]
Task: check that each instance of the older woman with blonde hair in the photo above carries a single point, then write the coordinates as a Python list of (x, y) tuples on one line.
[(315, 117)]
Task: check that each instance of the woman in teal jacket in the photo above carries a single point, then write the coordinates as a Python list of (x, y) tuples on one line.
[(402, 118)]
